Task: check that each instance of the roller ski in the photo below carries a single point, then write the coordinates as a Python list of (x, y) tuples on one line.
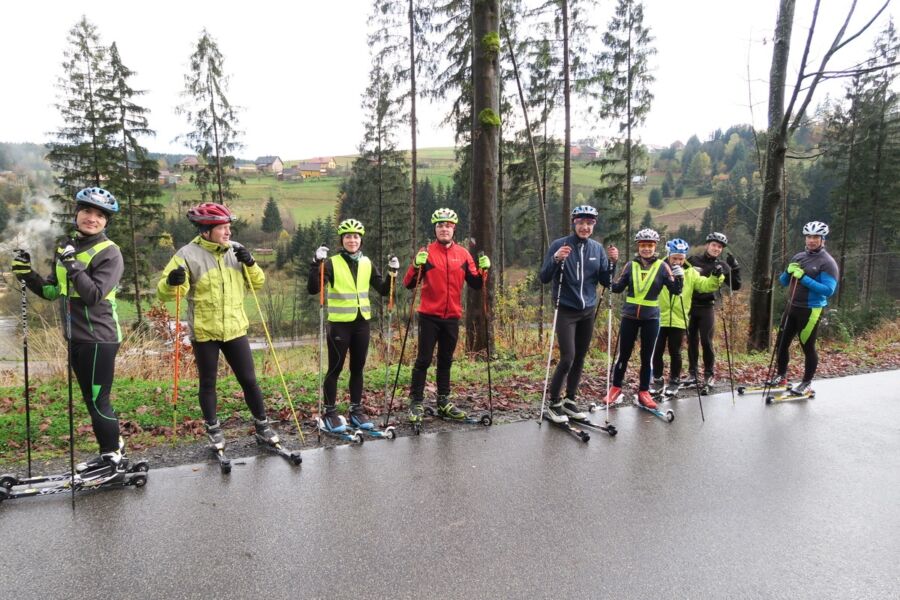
[(555, 415), (268, 439), (692, 382), (334, 425), (614, 398), (217, 446), (645, 401), (416, 416), (448, 411), (569, 409), (801, 391), (779, 383), (360, 422), (103, 473)]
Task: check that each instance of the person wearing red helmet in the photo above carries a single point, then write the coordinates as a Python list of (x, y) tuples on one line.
[(87, 271), (213, 274)]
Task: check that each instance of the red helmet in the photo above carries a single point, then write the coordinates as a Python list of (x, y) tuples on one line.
[(209, 213)]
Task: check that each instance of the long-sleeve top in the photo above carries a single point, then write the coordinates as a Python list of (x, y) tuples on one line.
[(705, 264), (650, 289), (819, 281), (443, 275), (584, 268)]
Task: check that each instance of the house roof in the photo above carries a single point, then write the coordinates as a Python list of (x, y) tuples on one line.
[(310, 166), (266, 160), (320, 159), (189, 161)]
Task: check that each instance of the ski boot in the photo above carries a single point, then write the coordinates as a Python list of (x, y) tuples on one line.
[(672, 389), (571, 410), (98, 461), (690, 380), (556, 412), (332, 421), (416, 414), (646, 400), (448, 410), (613, 397), (657, 387), (804, 388), (359, 419), (779, 381), (217, 445)]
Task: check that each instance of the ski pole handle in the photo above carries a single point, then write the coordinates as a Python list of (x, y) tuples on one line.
[(393, 277)]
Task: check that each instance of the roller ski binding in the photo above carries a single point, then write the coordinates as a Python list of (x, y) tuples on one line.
[(334, 425), (645, 402), (801, 391), (448, 411), (217, 446), (110, 471), (613, 398), (577, 417), (361, 423), (779, 383), (557, 416), (268, 439)]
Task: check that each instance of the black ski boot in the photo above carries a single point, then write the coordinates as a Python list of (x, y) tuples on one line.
[(215, 436), (264, 432), (416, 411), (359, 419), (99, 461)]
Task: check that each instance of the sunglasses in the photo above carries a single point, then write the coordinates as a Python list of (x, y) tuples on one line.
[(585, 221)]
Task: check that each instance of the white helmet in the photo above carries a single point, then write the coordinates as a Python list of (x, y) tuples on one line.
[(815, 228), (646, 235)]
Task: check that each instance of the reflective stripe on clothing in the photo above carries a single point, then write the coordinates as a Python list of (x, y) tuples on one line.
[(641, 282), (345, 296)]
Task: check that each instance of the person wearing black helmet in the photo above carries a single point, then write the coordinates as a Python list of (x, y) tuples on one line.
[(701, 327), (575, 265), (87, 271), (813, 277)]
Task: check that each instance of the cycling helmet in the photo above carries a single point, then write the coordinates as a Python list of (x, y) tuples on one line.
[(816, 228), (209, 214), (677, 246), (584, 211), (351, 226), (715, 236), (444, 215), (97, 198), (646, 235)]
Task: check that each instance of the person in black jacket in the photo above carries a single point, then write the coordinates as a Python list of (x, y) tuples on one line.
[(701, 327)]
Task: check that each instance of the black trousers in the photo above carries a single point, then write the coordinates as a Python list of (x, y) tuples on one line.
[(443, 333), (701, 328), (628, 333), (669, 338), (240, 359), (803, 323), (344, 337), (94, 366), (574, 330)]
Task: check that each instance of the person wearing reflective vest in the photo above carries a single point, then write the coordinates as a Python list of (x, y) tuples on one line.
[(674, 314), (87, 271), (347, 277), (643, 278)]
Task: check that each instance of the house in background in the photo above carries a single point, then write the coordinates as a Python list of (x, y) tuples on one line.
[(325, 162), (189, 163), (310, 169), (269, 164)]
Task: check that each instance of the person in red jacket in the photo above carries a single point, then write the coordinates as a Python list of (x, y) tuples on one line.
[(443, 267)]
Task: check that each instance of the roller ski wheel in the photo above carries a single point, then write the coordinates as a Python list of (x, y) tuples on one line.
[(790, 397), (667, 416), (389, 432), (346, 434), (579, 434), (608, 429), (224, 461), (740, 390), (8, 481), (292, 456)]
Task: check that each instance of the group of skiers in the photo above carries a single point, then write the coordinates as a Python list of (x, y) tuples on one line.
[(664, 299)]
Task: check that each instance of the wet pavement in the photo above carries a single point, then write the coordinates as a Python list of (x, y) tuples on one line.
[(796, 500)]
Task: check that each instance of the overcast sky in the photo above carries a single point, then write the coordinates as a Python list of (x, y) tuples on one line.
[(298, 69)]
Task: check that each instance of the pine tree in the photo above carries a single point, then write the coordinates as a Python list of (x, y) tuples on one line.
[(207, 109), (271, 221)]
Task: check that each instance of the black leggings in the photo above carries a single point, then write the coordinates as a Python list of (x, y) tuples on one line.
[(574, 330), (803, 323), (669, 337), (240, 359), (94, 366), (628, 333), (700, 332), (353, 336), (434, 331)]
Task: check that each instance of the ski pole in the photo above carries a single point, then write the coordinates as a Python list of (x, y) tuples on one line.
[(25, 364), (177, 363), (412, 306), (697, 387), (387, 342), (550, 349), (68, 300), (321, 340), (728, 355), (487, 337), (262, 318), (779, 338), (608, 349)]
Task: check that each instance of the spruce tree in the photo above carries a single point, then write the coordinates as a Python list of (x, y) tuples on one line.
[(271, 221)]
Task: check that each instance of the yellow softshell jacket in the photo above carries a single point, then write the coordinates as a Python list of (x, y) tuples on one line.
[(214, 290), (670, 306)]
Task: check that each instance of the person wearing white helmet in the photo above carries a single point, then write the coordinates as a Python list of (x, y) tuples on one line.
[(673, 311), (813, 277), (644, 277), (575, 264), (701, 328)]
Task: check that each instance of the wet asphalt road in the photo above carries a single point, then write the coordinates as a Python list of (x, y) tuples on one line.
[(798, 500)]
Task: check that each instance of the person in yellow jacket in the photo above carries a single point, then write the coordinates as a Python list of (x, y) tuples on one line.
[(347, 279), (213, 274), (673, 315)]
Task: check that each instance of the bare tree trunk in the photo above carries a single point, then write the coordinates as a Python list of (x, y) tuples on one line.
[(629, 169), (845, 212), (412, 125), (776, 148), (567, 102), (485, 155), (868, 282), (129, 198)]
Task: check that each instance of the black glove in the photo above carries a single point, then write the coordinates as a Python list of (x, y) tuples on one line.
[(66, 251), (21, 264), (243, 255), (718, 269), (732, 262), (176, 277)]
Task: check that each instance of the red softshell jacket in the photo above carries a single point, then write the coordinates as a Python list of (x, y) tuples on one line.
[(442, 280)]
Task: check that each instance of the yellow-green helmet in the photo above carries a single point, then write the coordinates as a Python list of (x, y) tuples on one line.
[(351, 226), (444, 215)]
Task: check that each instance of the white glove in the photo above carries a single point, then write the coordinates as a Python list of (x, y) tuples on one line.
[(394, 263), (678, 271), (321, 253)]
